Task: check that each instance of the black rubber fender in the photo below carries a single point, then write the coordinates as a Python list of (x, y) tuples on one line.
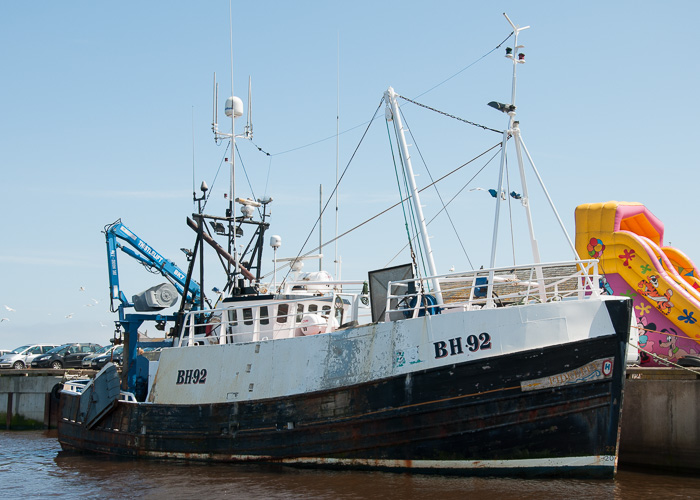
[(689, 360), (56, 391)]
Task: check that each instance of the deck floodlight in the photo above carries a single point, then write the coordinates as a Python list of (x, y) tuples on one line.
[(505, 108), (218, 227)]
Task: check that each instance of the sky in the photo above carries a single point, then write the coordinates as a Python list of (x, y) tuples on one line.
[(107, 110)]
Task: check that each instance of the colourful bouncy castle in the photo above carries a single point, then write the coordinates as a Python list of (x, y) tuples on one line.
[(662, 281)]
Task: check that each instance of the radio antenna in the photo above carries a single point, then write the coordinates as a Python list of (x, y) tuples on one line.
[(215, 105), (249, 124)]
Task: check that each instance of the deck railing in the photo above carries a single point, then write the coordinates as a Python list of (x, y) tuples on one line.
[(256, 320), (488, 288), (259, 320)]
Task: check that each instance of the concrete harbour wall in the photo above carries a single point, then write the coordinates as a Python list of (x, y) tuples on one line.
[(660, 419), (27, 394)]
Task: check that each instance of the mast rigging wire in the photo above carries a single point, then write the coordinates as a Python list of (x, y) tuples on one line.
[(437, 191), (419, 95), (456, 194), (510, 210), (498, 144), (411, 228), (403, 209), (211, 188), (449, 115), (467, 67), (334, 190)]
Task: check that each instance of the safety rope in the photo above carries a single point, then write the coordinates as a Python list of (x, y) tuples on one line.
[(661, 359), (663, 333)]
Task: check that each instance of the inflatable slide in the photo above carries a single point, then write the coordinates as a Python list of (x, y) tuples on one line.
[(663, 282)]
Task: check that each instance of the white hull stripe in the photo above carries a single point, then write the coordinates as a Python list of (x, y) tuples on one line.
[(535, 463)]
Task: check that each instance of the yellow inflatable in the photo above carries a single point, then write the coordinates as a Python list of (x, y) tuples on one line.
[(664, 284)]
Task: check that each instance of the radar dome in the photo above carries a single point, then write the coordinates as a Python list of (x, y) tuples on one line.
[(234, 105)]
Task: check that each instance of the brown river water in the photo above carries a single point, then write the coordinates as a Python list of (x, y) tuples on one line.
[(33, 466)]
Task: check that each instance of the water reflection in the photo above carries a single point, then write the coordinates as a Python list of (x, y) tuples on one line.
[(32, 465)]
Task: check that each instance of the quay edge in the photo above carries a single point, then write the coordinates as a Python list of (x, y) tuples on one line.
[(660, 427), (29, 398)]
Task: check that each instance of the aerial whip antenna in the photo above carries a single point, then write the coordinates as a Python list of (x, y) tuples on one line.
[(337, 160), (249, 122)]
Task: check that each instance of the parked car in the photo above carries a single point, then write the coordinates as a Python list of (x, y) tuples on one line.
[(65, 356), (88, 359), (115, 356), (22, 357)]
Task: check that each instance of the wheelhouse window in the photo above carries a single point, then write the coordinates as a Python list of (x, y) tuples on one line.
[(282, 312), (264, 316), (233, 317), (248, 316)]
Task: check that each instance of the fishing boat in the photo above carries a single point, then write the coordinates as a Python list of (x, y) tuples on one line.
[(514, 371)]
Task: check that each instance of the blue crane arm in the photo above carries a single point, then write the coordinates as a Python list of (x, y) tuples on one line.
[(115, 292), (148, 262), (145, 254)]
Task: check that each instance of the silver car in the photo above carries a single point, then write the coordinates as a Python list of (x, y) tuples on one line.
[(88, 359), (22, 357)]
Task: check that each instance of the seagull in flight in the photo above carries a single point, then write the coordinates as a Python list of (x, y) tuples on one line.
[(82, 288), (4, 319), (9, 308), (69, 316)]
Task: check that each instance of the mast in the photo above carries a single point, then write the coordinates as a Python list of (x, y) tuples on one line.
[(390, 97), (233, 109), (232, 155), (337, 160), (510, 110), (517, 57)]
